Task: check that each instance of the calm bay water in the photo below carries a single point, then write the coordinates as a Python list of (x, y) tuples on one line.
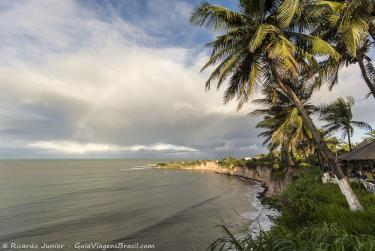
[(110, 201)]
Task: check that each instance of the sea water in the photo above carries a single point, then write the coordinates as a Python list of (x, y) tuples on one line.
[(77, 204)]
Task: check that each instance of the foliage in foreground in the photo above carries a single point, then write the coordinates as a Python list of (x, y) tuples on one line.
[(328, 237), (314, 217)]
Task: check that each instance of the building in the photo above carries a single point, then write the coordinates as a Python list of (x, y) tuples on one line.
[(360, 160)]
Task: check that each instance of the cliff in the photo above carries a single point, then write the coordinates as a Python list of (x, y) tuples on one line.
[(259, 173)]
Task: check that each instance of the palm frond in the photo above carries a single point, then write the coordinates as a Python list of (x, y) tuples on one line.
[(286, 12), (215, 17), (362, 125)]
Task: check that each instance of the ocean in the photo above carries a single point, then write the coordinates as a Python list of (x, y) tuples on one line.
[(96, 204)]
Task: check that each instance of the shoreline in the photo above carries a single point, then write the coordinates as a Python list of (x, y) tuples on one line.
[(261, 194), (258, 173), (265, 215)]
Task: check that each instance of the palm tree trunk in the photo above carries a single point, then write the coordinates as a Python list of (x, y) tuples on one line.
[(350, 143), (284, 155), (364, 74), (320, 163), (292, 159), (344, 185), (371, 30)]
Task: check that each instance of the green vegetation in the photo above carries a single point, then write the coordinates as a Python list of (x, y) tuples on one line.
[(314, 217), (269, 160), (262, 159), (307, 202), (336, 146), (182, 164)]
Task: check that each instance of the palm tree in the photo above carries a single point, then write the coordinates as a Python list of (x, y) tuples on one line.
[(284, 125), (339, 116), (262, 44), (349, 26)]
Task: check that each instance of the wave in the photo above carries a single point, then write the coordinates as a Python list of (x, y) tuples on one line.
[(263, 219)]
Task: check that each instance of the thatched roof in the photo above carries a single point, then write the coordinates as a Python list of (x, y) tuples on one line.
[(364, 151)]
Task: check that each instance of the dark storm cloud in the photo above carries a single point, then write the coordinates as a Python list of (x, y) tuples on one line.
[(49, 117)]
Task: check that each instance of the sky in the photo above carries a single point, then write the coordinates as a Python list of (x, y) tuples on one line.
[(88, 79)]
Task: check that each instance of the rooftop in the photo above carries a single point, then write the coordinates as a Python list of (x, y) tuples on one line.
[(364, 151)]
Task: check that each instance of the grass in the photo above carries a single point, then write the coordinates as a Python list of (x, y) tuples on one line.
[(315, 216), (308, 202)]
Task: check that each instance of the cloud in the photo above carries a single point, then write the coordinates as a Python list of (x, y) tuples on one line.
[(88, 78), (70, 147), (57, 92)]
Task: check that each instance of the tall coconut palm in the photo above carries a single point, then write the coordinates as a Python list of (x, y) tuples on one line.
[(339, 116), (284, 125), (262, 44), (349, 26)]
